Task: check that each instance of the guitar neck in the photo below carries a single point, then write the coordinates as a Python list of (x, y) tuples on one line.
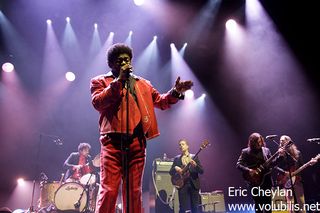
[(301, 168), (188, 165), (268, 161)]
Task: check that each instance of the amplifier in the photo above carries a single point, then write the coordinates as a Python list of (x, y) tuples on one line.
[(167, 200), (279, 201), (213, 201), (163, 166)]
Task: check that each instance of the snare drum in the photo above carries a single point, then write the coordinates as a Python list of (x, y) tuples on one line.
[(88, 178), (68, 195), (47, 190)]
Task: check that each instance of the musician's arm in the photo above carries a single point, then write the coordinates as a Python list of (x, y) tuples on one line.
[(241, 163), (173, 167), (198, 168), (70, 162)]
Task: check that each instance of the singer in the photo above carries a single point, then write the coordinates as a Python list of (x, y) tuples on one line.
[(109, 93)]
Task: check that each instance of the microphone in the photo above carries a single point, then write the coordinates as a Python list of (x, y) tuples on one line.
[(128, 72), (271, 136), (313, 140), (58, 141)]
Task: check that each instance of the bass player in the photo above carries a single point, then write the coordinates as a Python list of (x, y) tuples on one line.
[(189, 197), (293, 162)]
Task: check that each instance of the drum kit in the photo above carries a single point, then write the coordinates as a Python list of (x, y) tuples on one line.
[(70, 196)]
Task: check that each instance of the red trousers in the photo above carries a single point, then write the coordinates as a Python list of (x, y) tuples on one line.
[(111, 172)]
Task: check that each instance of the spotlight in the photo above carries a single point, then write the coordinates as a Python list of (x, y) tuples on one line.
[(68, 19), (21, 181), (70, 76), (49, 21), (155, 37), (19, 211), (138, 2), (95, 25), (189, 94), (130, 33), (185, 45), (7, 67), (231, 24), (203, 95), (172, 45)]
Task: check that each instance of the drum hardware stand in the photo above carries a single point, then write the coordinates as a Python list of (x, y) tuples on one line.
[(77, 204), (57, 141)]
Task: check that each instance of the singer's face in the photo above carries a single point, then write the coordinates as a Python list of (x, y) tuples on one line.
[(122, 60)]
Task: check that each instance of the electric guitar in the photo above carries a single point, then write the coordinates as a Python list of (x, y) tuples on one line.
[(284, 180), (257, 178), (178, 180)]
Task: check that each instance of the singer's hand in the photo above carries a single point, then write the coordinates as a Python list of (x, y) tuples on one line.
[(125, 71), (182, 86)]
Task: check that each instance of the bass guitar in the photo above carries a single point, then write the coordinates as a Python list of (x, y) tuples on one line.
[(178, 180), (284, 180), (257, 177)]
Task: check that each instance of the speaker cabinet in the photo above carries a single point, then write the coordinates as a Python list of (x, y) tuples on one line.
[(279, 202), (213, 201), (167, 197)]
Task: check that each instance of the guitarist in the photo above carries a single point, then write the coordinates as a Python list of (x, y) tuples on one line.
[(254, 155), (189, 197), (292, 161)]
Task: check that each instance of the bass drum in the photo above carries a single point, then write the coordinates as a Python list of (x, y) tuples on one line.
[(68, 195), (47, 191)]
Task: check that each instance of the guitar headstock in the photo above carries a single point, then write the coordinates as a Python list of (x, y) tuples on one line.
[(314, 160), (204, 144)]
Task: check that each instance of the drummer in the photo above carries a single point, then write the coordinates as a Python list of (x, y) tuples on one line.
[(79, 164)]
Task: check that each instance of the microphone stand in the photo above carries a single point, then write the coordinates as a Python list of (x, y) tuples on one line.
[(287, 153), (125, 146), (291, 184), (77, 204), (35, 177), (36, 170)]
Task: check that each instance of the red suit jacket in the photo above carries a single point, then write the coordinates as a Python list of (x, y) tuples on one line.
[(108, 97)]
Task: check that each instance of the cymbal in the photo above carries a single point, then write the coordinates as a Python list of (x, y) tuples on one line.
[(96, 160)]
